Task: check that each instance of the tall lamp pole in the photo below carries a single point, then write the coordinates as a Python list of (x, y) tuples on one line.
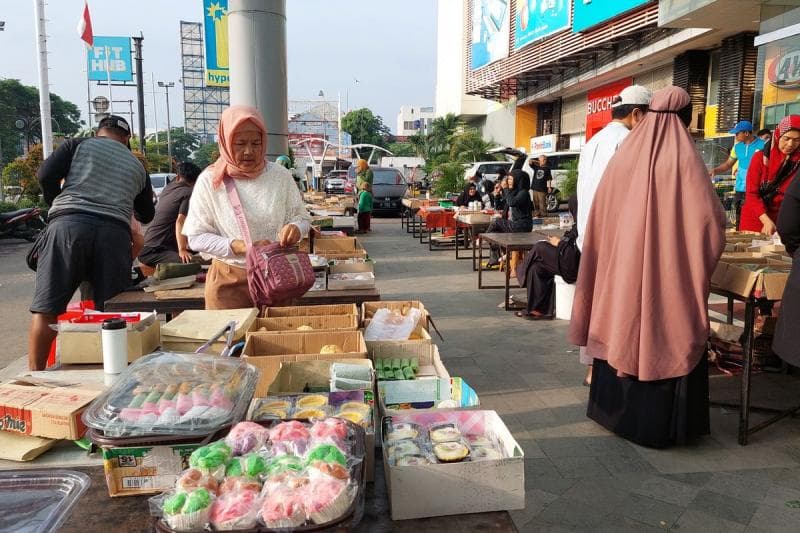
[(166, 86)]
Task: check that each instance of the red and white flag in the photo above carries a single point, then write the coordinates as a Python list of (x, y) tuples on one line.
[(85, 26)]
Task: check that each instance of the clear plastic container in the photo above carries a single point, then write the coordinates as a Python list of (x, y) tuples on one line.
[(168, 393), (33, 501)]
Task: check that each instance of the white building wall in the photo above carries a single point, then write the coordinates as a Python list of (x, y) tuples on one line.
[(500, 125), (411, 113)]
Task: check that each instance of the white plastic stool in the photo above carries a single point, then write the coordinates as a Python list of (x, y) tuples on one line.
[(565, 293)]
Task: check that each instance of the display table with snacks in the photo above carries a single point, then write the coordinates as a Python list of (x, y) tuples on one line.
[(183, 300)]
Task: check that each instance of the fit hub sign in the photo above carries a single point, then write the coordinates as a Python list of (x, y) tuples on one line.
[(110, 57)]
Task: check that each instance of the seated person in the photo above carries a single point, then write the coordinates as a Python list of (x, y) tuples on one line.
[(164, 241), (470, 194), (547, 259), (518, 214), (495, 199)]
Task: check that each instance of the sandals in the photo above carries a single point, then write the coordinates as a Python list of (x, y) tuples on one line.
[(529, 316)]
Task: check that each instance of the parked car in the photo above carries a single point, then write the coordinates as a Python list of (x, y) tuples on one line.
[(389, 187), (489, 169), (159, 181), (556, 162), (337, 182)]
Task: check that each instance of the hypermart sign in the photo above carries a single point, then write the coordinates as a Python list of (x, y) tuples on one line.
[(784, 70), (110, 57), (598, 105), (543, 144)]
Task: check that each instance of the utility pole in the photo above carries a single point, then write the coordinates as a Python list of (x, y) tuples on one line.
[(137, 46), (166, 87), (44, 84)]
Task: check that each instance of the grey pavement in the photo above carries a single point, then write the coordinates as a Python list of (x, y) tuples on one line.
[(578, 476), (16, 292)]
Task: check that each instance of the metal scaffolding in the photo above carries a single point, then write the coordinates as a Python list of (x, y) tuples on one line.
[(202, 105)]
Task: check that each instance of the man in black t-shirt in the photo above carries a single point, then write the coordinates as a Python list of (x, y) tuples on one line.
[(164, 241), (540, 185)]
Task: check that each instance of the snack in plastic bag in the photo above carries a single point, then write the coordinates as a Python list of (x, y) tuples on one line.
[(247, 437), (413, 460), (445, 433), (310, 414), (355, 417), (211, 459), (482, 453), (238, 484), (283, 463), (329, 468), (327, 499), (327, 453), (402, 430), (331, 348), (451, 452), (283, 508), (193, 478), (312, 400), (187, 511), (333, 430), (389, 325), (479, 440), (289, 437), (251, 465), (402, 448), (235, 510)]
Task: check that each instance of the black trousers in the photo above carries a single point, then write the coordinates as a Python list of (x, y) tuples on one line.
[(540, 278)]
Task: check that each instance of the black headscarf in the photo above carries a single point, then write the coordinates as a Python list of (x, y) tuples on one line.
[(464, 198)]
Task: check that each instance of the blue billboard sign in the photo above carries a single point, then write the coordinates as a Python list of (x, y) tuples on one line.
[(490, 30), (215, 24), (110, 57), (588, 13), (536, 19)]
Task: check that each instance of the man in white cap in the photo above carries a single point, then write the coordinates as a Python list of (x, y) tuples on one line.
[(627, 110)]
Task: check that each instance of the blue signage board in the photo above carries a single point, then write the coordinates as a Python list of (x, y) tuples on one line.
[(110, 57), (539, 18), (588, 13), (215, 23), (490, 29)]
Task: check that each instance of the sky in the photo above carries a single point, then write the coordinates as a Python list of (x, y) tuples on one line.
[(388, 46)]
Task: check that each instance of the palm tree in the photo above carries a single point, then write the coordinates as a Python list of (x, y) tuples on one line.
[(469, 147), (420, 143), (442, 131)]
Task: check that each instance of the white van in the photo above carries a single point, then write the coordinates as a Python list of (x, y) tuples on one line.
[(556, 160), (489, 169)]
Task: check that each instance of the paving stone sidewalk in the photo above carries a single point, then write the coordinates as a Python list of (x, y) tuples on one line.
[(578, 476)]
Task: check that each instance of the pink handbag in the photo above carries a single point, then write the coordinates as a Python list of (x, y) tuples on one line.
[(274, 273)]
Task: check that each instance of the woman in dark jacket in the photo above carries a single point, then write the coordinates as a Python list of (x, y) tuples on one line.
[(470, 194), (545, 261), (786, 342), (518, 214)]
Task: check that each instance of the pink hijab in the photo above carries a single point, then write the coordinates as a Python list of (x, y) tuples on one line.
[(229, 121), (654, 236)]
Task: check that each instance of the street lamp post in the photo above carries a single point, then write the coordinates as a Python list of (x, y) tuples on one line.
[(166, 86)]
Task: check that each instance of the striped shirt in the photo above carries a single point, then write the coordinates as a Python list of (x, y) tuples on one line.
[(100, 177)]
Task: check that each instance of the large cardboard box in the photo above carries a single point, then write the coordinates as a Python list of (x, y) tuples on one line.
[(419, 336), (367, 269), (75, 347), (45, 410), (193, 328), (433, 379), (137, 470), (458, 488), (324, 244), (290, 324), (766, 279), (745, 257), (266, 351), (311, 310), (368, 308)]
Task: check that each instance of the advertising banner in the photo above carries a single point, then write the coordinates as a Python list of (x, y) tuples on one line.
[(588, 13), (535, 19), (780, 92), (110, 55), (490, 31), (215, 23), (598, 105), (544, 144)]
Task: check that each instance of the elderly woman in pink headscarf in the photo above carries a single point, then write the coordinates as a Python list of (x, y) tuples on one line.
[(654, 236), (272, 205)]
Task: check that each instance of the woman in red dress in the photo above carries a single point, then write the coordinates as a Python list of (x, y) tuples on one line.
[(769, 176)]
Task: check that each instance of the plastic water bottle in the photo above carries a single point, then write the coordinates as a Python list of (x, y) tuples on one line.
[(114, 334)]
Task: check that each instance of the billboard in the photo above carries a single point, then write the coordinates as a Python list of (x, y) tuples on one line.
[(490, 31), (215, 24), (109, 57), (536, 19), (598, 105), (588, 13)]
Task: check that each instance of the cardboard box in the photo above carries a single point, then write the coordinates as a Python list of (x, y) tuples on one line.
[(86, 347), (193, 328), (341, 256), (290, 324), (367, 268), (474, 218), (336, 244), (368, 308), (420, 336), (458, 488), (745, 257), (311, 310), (763, 279), (45, 410), (266, 351), (138, 470), (295, 377), (433, 384)]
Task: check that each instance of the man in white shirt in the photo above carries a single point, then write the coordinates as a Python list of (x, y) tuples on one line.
[(627, 110)]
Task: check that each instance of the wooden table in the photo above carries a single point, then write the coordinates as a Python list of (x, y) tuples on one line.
[(744, 407), (509, 242), (470, 230), (146, 301)]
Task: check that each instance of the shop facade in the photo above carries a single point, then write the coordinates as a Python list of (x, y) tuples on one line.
[(778, 72)]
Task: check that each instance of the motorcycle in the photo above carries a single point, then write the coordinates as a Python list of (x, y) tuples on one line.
[(22, 224)]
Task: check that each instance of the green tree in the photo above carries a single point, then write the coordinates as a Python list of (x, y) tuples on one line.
[(469, 147), (156, 160), (448, 178), (19, 106), (365, 127), (183, 142), (22, 172), (402, 149), (442, 131), (205, 154)]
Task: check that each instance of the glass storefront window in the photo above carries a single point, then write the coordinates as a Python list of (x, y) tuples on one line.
[(778, 73), (713, 78)]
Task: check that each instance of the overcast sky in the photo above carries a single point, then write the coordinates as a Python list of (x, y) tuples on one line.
[(390, 47)]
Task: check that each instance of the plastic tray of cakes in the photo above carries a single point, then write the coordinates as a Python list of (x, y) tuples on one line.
[(354, 406), (417, 444), (276, 475), (167, 393)]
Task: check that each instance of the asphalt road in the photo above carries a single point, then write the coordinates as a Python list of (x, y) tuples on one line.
[(16, 291)]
